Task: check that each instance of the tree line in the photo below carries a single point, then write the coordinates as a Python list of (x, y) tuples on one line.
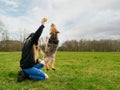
[(91, 45), (72, 45), (10, 45)]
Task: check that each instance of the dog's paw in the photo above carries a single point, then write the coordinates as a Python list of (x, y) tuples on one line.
[(53, 69), (47, 69)]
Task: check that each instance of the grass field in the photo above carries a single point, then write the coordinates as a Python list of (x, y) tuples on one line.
[(75, 71)]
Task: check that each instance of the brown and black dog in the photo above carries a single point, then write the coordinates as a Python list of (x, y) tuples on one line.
[(51, 48)]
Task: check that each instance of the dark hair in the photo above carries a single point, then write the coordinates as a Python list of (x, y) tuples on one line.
[(31, 35), (28, 38)]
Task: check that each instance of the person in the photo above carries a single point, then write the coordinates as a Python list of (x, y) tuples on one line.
[(29, 63)]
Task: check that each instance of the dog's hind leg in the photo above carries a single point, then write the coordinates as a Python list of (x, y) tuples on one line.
[(52, 64)]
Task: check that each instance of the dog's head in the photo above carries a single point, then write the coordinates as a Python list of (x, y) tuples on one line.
[(53, 29), (54, 32)]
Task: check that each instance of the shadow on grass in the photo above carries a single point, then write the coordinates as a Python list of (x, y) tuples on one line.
[(12, 76)]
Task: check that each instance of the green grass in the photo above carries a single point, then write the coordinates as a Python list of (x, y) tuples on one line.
[(75, 71)]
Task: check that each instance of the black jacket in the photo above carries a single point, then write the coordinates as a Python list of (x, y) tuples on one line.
[(27, 59)]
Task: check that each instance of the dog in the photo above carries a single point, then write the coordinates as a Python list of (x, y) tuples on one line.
[(51, 46)]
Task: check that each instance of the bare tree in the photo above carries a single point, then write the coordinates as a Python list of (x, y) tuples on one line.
[(1, 29), (5, 35)]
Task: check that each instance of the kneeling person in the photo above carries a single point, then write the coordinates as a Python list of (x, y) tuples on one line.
[(29, 62)]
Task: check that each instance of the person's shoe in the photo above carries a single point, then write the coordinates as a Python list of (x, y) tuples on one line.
[(22, 76), (26, 75)]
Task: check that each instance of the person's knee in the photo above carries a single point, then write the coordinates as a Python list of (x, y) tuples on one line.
[(46, 76), (42, 65)]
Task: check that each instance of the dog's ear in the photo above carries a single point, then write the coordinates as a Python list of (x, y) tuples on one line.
[(57, 32)]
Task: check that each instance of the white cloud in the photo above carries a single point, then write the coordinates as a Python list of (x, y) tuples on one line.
[(75, 19), (10, 2)]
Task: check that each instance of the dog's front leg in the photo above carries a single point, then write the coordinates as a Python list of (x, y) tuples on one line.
[(46, 66), (46, 63)]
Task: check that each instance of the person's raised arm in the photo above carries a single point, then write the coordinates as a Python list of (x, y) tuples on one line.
[(38, 32)]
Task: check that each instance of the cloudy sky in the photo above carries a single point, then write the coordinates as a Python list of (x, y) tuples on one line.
[(75, 19)]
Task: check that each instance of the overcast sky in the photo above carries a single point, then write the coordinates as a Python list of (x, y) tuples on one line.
[(75, 19)]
